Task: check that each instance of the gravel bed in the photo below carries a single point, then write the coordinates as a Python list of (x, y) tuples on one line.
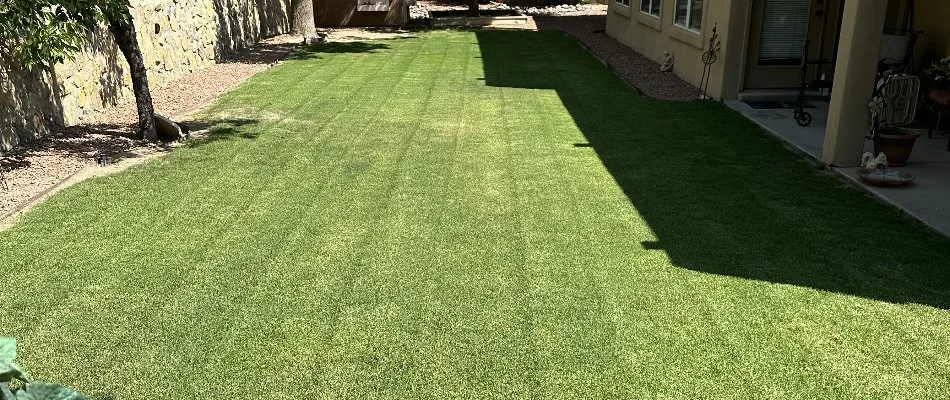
[(566, 10), (640, 71), (44, 163), (34, 168), (43, 170), (420, 10)]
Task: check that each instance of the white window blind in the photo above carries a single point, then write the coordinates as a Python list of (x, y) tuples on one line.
[(784, 28)]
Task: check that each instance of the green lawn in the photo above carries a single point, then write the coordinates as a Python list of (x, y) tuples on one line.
[(483, 214)]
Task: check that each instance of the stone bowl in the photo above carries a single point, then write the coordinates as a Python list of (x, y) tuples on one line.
[(885, 177)]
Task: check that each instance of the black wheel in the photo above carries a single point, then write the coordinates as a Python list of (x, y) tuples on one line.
[(803, 118)]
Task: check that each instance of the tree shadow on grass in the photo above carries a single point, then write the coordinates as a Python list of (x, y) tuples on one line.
[(313, 51), (720, 195), (220, 130)]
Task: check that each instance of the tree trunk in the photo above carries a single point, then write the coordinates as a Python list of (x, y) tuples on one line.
[(473, 8), (123, 30), (303, 23)]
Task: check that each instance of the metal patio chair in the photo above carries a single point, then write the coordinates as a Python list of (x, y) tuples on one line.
[(897, 51), (894, 104)]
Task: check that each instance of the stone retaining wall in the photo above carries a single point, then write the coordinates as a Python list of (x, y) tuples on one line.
[(176, 37)]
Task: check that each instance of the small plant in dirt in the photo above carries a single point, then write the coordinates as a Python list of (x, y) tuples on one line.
[(16, 385)]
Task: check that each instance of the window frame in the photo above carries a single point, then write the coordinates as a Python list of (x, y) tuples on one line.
[(659, 10), (622, 3), (689, 15)]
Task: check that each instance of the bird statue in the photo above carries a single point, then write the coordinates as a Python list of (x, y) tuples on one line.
[(869, 162)]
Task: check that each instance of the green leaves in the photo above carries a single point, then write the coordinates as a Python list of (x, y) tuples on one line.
[(45, 32), (32, 390), (48, 391), (9, 370)]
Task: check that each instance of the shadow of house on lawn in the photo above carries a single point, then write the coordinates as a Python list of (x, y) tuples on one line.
[(720, 196)]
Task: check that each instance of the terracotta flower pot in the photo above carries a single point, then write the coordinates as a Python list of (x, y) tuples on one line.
[(897, 144)]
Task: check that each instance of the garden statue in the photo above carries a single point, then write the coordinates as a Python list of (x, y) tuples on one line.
[(667, 62), (869, 162)]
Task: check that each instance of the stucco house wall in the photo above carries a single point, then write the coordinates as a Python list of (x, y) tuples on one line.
[(652, 36)]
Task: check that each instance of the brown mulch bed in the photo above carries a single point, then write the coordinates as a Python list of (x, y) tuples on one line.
[(640, 71)]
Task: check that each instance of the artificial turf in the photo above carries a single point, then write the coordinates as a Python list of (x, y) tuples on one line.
[(487, 214)]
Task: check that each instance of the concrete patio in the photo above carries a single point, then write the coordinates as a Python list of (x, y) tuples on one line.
[(927, 198)]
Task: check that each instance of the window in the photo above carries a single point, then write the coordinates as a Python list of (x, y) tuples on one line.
[(651, 7), (688, 14), (625, 3)]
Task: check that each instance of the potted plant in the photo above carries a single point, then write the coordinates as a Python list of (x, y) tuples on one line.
[(897, 144), (893, 106), (938, 75)]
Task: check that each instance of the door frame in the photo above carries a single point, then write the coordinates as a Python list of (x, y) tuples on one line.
[(789, 76)]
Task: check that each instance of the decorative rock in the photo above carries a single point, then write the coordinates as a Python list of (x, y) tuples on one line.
[(168, 130)]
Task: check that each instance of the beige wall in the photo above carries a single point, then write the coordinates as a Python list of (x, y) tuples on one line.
[(932, 17), (652, 37), (176, 37)]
